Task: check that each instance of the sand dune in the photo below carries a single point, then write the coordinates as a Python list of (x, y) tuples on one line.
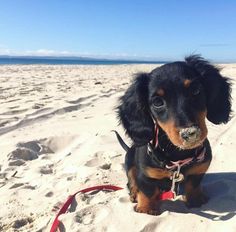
[(55, 128)]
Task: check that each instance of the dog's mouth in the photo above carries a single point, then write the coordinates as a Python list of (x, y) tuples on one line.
[(190, 145)]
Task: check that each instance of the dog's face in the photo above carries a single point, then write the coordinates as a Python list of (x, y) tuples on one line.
[(178, 97), (177, 102)]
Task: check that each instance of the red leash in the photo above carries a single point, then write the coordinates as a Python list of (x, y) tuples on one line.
[(163, 196), (71, 198)]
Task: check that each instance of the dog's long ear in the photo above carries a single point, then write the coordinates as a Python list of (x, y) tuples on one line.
[(217, 89), (134, 111)]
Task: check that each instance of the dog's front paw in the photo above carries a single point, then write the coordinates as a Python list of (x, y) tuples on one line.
[(196, 199), (133, 195), (133, 198), (146, 210)]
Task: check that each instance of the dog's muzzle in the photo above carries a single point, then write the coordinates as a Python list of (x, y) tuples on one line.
[(190, 134)]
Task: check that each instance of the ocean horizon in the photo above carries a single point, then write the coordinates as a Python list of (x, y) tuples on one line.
[(10, 60)]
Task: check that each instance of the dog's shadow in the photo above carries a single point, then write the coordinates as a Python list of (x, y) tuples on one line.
[(221, 188)]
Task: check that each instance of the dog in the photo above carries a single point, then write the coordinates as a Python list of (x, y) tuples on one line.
[(164, 113)]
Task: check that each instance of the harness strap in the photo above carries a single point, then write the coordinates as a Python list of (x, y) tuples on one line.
[(174, 166), (180, 163), (155, 141), (199, 155)]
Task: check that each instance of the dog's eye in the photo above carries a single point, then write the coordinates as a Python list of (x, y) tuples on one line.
[(195, 89), (158, 103)]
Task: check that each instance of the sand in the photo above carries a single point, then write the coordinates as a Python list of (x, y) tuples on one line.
[(55, 129)]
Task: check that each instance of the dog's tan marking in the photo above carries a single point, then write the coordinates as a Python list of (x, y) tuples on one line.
[(160, 92), (198, 169), (187, 83), (157, 173), (132, 184), (146, 204), (171, 131)]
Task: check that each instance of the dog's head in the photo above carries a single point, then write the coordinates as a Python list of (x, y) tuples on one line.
[(178, 97)]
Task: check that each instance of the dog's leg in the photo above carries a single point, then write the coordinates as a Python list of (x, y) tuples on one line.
[(147, 193), (132, 184), (147, 204), (193, 191)]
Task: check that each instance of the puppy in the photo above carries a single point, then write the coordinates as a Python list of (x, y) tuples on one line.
[(164, 113)]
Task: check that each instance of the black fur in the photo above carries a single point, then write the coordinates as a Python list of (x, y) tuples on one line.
[(217, 89), (135, 110), (138, 110)]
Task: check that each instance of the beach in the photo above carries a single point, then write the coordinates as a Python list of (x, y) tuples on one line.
[(56, 125)]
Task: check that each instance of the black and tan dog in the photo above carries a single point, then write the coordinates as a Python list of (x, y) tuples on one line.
[(164, 113)]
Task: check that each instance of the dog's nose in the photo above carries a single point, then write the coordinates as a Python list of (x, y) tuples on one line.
[(190, 133)]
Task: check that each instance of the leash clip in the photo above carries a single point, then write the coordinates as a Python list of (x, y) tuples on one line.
[(149, 149), (176, 177)]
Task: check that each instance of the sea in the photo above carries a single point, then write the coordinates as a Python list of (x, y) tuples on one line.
[(8, 60)]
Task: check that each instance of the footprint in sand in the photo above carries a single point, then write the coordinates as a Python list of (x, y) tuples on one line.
[(17, 224), (23, 186), (37, 106), (88, 215), (17, 185), (35, 146), (47, 169), (22, 154), (99, 161), (93, 162), (27, 151), (49, 194), (106, 166), (18, 162)]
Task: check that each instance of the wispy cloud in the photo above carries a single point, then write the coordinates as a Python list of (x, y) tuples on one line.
[(40, 52), (50, 52), (4, 50)]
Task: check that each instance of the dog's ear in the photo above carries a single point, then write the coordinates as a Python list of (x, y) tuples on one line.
[(133, 111), (217, 89)]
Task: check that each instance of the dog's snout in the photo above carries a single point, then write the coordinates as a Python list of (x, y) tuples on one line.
[(190, 133)]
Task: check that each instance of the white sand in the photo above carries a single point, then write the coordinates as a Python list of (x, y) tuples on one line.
[(55, 130)]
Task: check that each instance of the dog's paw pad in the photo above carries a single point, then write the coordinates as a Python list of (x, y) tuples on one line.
[(146, 210)]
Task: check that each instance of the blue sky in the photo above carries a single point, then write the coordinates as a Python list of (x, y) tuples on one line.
[(140, 29)]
